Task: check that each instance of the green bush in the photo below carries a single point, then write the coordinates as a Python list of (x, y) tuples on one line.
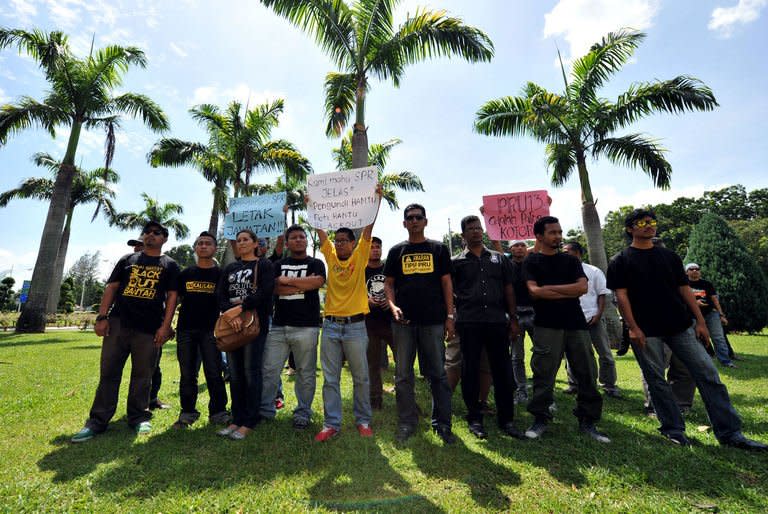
[(725, 262)]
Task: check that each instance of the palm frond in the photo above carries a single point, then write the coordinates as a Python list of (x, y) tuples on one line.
[(27, 113), (373, 24), (426, 35), (48, 49), (175, 152), (378, 153), (506, 116), (39, 188), (138, 105), (340, 90), (46, 160), (637, 151), (330, 22), (561, 160)]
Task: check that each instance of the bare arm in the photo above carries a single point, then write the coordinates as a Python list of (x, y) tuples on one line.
[(600, 308), (509, 296), (447, 284), (368, 230), (389, 292), (107, 299), (164, 332), (636, 335), (558, 292)]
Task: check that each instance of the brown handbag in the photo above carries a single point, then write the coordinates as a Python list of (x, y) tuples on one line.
[(227, 339)]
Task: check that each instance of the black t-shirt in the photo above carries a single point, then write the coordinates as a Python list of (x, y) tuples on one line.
[(552, 270), (197, 292), (144, 281), (374, 282), (300, 309), (479, 285), (522, 295), (236, 286), (418, 269), (652, 278), (703, 290)]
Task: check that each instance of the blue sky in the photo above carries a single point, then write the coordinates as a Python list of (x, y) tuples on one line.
[(230, 49)]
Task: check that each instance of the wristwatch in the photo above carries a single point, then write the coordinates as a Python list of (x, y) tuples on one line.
[(102, 317)]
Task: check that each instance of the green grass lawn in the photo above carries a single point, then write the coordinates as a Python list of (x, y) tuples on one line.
[(47, 384)]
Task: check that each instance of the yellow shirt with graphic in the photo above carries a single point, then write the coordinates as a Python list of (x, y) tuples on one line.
[(346, 293)]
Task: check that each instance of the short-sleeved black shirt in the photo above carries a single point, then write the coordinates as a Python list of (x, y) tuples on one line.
[(417, 269), (144, 281), (652, 278), (478, 285), (374, 282), (703, 290), (300, 309), (522, 295), (197, 292), (552, 270)]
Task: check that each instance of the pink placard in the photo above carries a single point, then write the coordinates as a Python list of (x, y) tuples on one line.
[(512, 215)]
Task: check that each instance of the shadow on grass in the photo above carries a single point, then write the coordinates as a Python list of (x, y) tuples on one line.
[(8, 342)]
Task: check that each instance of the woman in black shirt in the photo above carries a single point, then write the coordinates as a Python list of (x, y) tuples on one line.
[(236, 288)]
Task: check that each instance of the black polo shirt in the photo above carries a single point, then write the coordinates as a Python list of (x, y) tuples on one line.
[(478, 284)]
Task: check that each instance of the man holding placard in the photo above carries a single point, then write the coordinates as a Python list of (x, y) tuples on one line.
[(346, 304), (420, 294)]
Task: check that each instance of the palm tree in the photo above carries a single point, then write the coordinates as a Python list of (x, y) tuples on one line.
[(163, 213), (87, 187), (378, 155), (578, 122), (237, 146), (80, 98), (362, 42)]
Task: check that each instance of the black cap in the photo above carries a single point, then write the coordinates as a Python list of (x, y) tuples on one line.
[(152, 223), (135, 242)]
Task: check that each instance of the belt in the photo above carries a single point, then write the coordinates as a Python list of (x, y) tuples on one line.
[(346, 319)]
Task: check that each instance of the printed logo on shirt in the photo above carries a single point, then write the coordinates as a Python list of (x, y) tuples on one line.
[(293, 270), (143, 281), (494, 258), (700, 294), (199, 286), (343, 271), (375, 286), (416, 263)]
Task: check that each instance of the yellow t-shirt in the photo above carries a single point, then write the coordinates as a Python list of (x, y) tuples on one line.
[(346, 293)]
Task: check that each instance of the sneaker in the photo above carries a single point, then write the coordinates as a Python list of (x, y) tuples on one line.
[(570, 390), (181, 425), (552, 408), (226, 431), (730, 365), (521, 396), (650, 411), (486, 409), (326, 434), (613, 393), (85, 434), (444, 432), (591, 430), (364, 429), (477, 430), (300, 423), (511, 430), (678, 439), (279, 403), (404, 432), (143, 428), (536, 430), (158, 405), (220, 418)]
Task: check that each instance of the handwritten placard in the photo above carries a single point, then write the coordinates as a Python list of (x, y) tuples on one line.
[(262, 213), (512, 215), (343, 199)]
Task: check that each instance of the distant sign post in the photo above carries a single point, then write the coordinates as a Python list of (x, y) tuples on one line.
[(512, 215), (24, 293), (263, 214), (343, 199)]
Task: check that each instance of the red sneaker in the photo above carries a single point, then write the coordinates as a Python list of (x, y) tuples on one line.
[(326, 434), (365, 430), (279, 403)]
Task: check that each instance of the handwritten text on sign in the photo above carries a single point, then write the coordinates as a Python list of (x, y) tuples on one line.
[(263, 214), (512, 215), (343, 199)]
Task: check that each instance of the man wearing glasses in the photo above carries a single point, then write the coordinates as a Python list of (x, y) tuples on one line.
[(344, 334), (135, 320), (420, 295), (657, 304)]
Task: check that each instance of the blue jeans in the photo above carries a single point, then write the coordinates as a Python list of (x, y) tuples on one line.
[(717, 335), (348, 340), (725, 421), (427, 340), (245, 380), (302, 341)]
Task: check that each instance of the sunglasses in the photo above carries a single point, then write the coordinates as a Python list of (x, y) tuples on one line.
[(644, 223), (415, 217), (156, 232), (341, 241)]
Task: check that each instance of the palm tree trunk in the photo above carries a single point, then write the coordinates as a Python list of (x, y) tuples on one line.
[(213, 224), (32, 318), (58, 272), (359, 132), (590, 219)]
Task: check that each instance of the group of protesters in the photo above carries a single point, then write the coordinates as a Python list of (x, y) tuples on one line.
[(480, 302)]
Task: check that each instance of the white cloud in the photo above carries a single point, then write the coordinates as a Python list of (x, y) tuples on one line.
[(3, 98), (725, 19), (177, 49), (22, 265), (241, 92), (584, 22), (21, 10)]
